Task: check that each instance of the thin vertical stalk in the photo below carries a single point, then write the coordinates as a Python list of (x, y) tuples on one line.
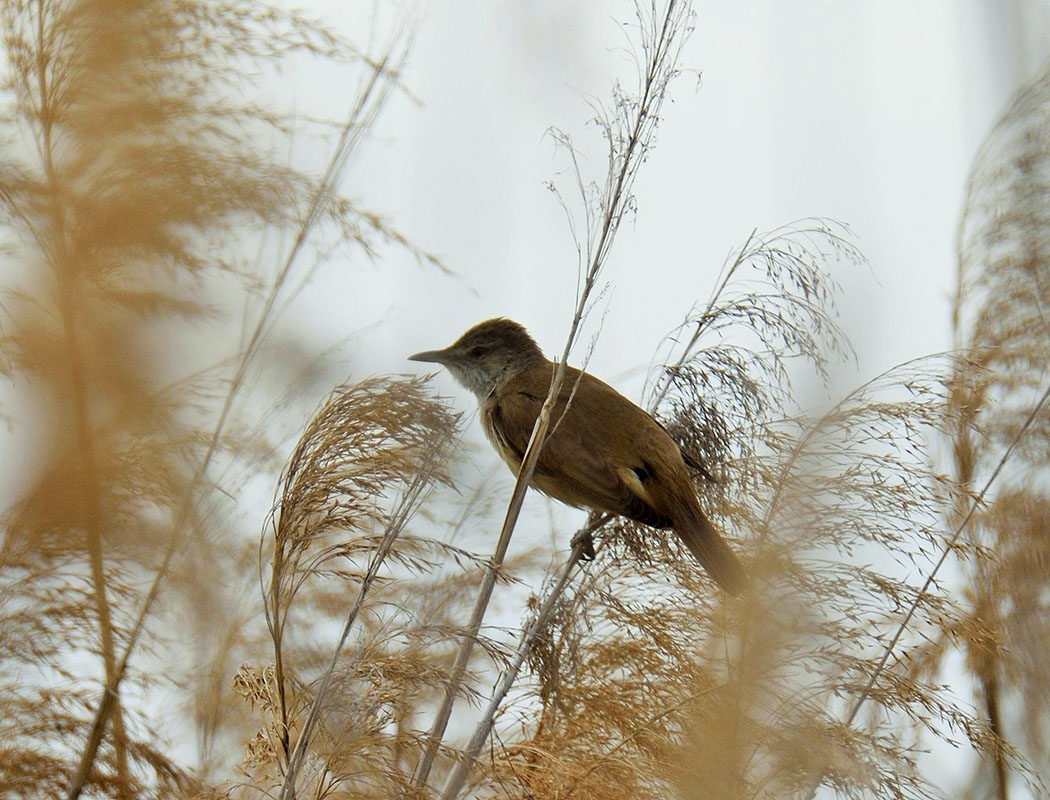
[(990, 689), (358, 123), (625, 159), (510, 674), (948, 547), (88, 488), (488, 583), (407, 506), (277, 632)]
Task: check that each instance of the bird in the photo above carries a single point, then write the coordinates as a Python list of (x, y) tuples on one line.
[(602, 451)]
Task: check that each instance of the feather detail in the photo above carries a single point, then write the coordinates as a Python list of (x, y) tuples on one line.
[(607, 454)]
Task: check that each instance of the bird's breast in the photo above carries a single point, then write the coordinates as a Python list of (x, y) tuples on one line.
[(506, 444), (559, 489), (493, 427)]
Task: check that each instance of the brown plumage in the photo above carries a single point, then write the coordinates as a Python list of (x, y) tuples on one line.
[(603, 452)]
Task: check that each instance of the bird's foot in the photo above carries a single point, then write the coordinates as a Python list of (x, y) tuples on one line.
[(584, 540)]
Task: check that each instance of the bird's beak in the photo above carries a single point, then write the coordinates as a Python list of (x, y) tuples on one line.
[(431, 356)]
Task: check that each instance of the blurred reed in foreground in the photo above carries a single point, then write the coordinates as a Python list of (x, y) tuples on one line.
[(134, 189)]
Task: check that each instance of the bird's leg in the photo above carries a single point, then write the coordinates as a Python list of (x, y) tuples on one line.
[(584, 537)]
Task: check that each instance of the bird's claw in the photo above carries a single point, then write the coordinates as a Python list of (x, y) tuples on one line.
[(584, 541)]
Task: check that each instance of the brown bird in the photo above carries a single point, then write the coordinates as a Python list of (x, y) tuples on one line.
[(602, 451)]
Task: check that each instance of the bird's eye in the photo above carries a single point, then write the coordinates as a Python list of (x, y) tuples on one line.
[(477, 352)]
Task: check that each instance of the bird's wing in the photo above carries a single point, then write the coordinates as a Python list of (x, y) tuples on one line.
[(692, 461), (577, 464)]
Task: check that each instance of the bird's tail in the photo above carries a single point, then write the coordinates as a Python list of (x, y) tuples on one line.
[(710, 549)]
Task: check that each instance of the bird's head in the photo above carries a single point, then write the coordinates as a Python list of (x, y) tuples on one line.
[(487, 355)]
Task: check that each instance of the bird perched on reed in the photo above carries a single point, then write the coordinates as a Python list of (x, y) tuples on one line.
[(602, 452)]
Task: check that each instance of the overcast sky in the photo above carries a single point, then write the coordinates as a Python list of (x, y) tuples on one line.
[(866, 112)]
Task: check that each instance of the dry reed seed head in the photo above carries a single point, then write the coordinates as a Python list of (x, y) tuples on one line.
[(139, 169), (999, 388), (785, 312), (817, 499), (355, 479), (372, 448), (363, 446)]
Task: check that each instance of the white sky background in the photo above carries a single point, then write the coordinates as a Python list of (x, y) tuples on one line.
[(866, 112), (869, 113)]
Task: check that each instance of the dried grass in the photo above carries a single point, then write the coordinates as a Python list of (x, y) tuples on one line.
[(1000, 392), (129, 178), (128, 170)]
